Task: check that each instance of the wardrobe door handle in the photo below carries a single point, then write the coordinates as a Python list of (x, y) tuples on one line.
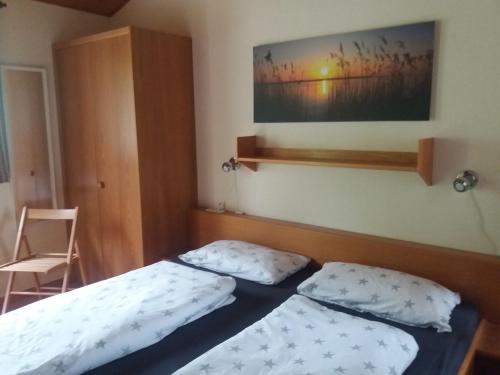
[(102, 185), (32, 173)]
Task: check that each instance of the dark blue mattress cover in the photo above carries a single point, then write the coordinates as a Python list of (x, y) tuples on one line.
[(439, 354)]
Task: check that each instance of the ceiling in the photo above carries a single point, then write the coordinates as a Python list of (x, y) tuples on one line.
[(102, 7)]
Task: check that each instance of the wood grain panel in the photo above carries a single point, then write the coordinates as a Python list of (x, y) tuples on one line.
[(250, 155), (246, 147), (425, 159), (475, 276), (102, 7), (117, 159), (76, 85), (163, 81), (137, 86)]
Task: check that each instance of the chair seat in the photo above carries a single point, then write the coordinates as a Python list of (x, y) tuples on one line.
[(36, 264)]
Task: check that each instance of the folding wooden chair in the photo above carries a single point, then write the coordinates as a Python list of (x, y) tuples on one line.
[(44, 262)]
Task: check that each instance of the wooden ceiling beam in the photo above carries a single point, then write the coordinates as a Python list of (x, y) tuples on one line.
[(101, 7)]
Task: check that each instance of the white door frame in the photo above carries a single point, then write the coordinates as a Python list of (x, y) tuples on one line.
[(3, 69)]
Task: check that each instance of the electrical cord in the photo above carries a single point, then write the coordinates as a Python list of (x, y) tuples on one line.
[(482, 224)]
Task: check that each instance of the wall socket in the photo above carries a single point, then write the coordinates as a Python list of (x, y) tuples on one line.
[(221, 206)]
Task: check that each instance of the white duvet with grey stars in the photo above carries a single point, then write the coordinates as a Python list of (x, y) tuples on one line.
[(303, 337), (74, 332)]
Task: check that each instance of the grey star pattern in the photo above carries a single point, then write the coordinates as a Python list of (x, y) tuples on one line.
[(312, 286), (343, 334), (409, 304), (299, 361), (310, 326), (392, 370), (319, 341), (269, 363), (356, 347), (405, 348), (340, 370), (238, 365), (332, 321), (429, 298), (363, 281), (369, 366), (101, 344), (126, 350), (301, 312), (259, 331), (332, 276), (206, 368), (343, 291), (396, 287), (328, 355), (375, 297), (59, 367), (291, 345), (382, 343), (235, 348), (369, 328), (285, 329), (136, 326), (264, 347)]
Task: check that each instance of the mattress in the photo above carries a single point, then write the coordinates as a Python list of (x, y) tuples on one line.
[(439, 354)]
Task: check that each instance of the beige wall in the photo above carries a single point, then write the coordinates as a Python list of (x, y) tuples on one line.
[(27, 31), (466, 116)]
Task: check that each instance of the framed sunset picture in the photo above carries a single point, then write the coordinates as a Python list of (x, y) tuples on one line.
[(374, 75)]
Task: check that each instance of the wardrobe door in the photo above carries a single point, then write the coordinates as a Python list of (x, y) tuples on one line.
[(166, 139), (77, 109), (117, 159)]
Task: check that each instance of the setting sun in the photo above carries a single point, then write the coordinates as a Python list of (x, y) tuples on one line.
[(324, 71)]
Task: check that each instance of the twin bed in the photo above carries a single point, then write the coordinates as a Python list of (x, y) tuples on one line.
[(439, 353), (217, 324)]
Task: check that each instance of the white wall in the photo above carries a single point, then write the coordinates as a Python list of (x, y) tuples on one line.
[(466, 116), (27, 31)]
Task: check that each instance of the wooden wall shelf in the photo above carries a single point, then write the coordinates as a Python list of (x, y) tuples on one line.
[(421, 162)]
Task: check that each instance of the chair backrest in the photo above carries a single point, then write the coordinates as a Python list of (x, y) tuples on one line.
[(52, 214), (47, 214)]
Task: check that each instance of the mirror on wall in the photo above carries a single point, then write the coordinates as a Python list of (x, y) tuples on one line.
[(26, 144)]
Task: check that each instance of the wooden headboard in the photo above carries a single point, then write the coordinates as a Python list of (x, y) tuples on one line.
[(475, 276)]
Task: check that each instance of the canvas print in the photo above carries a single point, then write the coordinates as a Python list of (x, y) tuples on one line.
[(374, 75)]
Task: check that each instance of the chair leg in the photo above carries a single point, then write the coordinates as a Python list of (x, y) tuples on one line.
[(8, 290), (66, 278), (37, 284), (83, 275)]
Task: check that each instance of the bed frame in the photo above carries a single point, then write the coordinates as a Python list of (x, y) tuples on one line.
[(475, 276)]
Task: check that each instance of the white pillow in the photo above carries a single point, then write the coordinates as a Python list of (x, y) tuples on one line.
[(247, 261), (389, 294)]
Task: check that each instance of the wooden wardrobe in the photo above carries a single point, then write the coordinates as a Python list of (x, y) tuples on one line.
[(127, 121)]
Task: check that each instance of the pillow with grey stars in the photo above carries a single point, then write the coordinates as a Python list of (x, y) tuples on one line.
[(388, 294), (246, 261)]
